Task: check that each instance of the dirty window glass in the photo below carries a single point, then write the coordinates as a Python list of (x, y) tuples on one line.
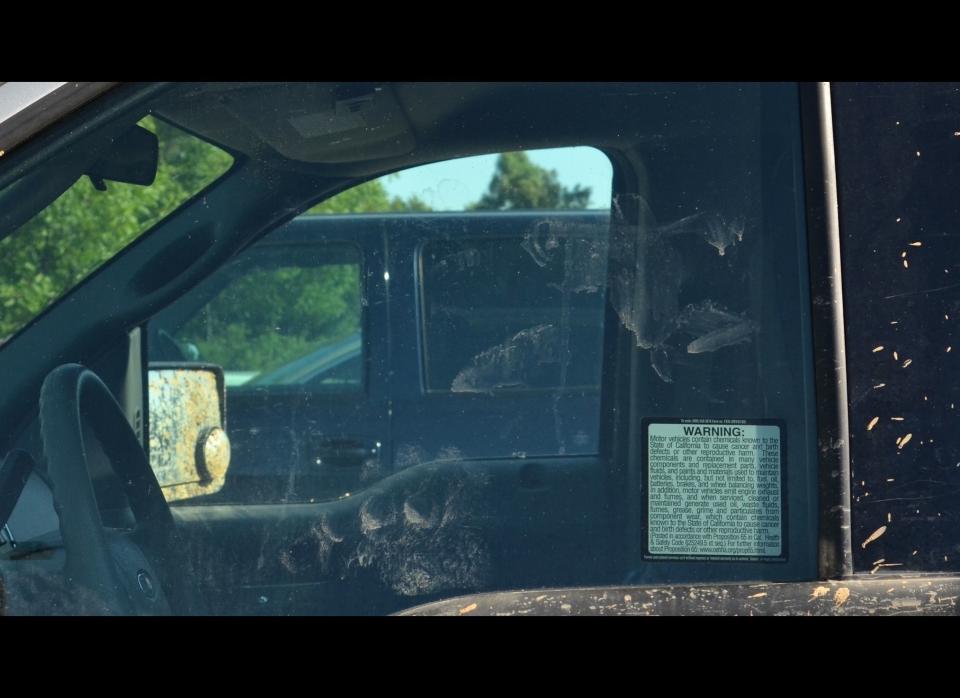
[(898, 163), (513, 300), (284, 322), (86, 225), (280, 322), (515, 314)]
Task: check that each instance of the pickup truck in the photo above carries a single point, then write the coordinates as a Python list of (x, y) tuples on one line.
[(679, 349)]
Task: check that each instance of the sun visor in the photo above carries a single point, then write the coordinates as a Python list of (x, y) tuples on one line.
[(324, 123)]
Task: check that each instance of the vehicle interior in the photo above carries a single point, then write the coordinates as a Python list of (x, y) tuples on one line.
[(706, 315)]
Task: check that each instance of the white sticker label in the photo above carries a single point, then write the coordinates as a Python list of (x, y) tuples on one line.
[(714, 490)]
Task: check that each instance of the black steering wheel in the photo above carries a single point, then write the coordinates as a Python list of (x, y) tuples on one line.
[(111, 563)]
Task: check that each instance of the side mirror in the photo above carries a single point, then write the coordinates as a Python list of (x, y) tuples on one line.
[(189, 448)]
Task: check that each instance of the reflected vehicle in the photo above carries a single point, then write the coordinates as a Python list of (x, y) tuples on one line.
[(475, 348), (332, 366)]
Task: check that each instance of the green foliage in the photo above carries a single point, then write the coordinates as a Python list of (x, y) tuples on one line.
[(272, 316), (520, 184), (369, 197), (261, 321), (84, 227)]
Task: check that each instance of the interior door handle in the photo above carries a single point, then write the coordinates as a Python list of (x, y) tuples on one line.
[(343, 450)]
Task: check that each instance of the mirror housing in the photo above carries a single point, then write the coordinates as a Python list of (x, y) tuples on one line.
[(188, 445), (132, 158)]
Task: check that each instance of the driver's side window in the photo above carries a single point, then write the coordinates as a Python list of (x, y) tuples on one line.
[(451, 322), (288, 315)]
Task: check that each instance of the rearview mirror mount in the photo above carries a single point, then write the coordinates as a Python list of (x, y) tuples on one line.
[(132, 159)]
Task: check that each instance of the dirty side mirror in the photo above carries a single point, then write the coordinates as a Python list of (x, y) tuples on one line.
[(189, 448)]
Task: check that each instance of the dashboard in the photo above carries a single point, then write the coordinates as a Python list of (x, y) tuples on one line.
[(33, 524)]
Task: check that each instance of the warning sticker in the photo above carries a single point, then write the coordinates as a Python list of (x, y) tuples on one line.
[(715, 488)]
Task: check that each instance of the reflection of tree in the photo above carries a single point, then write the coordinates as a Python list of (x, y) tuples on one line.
[(272, 317)]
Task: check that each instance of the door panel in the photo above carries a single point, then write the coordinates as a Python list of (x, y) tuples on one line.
[(429, 531)]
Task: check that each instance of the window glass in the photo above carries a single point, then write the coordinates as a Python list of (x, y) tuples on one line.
[(516, 313), (898, 164), (283, 324), (93, 220), (548, 179), (513, 290)]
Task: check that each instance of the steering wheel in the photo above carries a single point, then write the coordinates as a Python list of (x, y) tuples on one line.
[(110, 563)]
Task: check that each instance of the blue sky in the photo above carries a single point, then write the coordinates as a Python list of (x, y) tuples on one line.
[(450, 185)]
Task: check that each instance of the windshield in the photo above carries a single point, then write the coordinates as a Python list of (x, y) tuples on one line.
[(66, 240)]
